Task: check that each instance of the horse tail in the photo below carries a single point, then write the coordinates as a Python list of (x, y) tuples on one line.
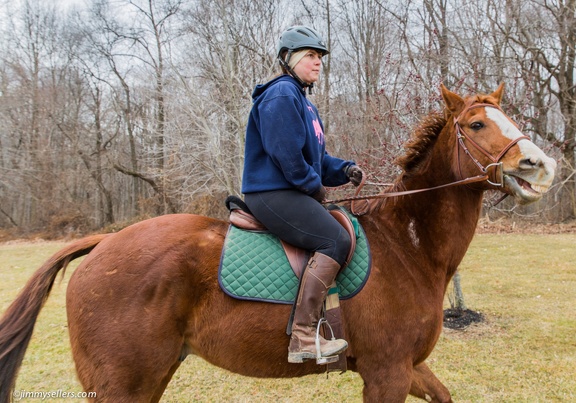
[(17, 324)]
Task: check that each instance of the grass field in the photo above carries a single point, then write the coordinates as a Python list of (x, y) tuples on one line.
[(524, 351)]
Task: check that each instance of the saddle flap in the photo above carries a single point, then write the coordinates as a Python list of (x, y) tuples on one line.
[(297, 257)]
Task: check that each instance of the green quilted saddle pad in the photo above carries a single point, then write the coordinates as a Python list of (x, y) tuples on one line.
[(254, 267)]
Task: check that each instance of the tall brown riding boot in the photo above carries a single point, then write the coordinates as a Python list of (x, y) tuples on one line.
[(316, 280)]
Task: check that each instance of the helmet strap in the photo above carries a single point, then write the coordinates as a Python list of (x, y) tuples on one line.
[(284, 64)]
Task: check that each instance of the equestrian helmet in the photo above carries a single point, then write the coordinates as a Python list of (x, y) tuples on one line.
[(300, 37)]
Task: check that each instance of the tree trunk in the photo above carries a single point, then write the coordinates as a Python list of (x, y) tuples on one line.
[(457, 301)]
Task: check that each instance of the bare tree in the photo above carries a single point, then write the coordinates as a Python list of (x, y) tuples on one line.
[(138, 45), (34, 99)]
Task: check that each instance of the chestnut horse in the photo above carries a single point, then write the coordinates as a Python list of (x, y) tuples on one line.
[(147, 296)]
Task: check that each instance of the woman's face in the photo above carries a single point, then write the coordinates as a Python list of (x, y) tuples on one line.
[(308, 69)]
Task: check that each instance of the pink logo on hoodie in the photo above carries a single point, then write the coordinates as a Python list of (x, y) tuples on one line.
[(317, 128)]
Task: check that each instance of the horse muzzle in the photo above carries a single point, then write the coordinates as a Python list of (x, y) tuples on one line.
[(529, 181)]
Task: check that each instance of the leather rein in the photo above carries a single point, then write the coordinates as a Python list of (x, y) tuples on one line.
[(461, 145)]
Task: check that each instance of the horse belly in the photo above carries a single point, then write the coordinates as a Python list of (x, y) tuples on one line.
[(248, 338)]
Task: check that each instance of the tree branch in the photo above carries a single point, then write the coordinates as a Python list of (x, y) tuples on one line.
[(157, 188)]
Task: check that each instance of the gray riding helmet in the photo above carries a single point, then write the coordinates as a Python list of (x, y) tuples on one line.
[(300, 37)]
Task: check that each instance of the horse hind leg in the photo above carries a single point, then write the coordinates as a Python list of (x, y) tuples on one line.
[(131, 384), (426, 386), (126, 369)]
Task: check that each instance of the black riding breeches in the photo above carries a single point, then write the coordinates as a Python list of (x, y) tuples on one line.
[(300, 220)]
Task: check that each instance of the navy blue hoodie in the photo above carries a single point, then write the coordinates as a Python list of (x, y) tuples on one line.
[(285, 146)]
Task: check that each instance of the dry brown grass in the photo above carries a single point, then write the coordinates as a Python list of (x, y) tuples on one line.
[(525, 351)]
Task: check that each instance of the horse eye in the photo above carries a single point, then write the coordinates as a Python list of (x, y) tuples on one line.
[(476, 125)]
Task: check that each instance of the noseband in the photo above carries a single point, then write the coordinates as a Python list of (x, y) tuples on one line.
[(461, 137)]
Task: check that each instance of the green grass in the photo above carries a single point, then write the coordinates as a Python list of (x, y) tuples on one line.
[(525, 351)]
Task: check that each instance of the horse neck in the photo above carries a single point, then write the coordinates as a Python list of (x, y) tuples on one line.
[(444, 222), (436, 226)]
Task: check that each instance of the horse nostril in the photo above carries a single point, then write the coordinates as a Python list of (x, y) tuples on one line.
[(530, 162)]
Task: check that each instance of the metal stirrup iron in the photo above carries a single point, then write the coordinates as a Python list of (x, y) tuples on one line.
[(319, 359)]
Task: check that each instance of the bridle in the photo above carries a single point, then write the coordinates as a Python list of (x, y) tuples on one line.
[(461, 139)]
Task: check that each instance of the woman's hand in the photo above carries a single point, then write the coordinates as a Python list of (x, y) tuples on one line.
[(355, 174)]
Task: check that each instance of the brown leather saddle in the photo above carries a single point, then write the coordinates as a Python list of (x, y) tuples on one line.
[(241, 217)]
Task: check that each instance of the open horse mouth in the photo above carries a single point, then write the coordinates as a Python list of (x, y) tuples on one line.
[(523, 191)]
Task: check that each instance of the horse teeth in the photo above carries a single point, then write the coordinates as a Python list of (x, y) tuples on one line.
[(540, 189)]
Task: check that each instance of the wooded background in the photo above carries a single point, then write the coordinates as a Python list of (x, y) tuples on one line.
[(116, 110)]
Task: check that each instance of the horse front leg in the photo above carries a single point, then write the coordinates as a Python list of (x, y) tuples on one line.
[(426, 386)]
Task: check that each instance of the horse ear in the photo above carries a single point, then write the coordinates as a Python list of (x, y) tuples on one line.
[(499, 93), (453, 102)]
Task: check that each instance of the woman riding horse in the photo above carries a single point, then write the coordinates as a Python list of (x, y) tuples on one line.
[(147, 296)]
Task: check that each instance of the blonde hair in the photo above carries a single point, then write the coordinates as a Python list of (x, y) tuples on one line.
[(296, 57)]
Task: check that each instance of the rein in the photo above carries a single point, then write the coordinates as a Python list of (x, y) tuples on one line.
[(356, 212), (460, 138)]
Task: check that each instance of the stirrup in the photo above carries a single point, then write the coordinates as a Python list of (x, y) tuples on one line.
[(319, 359)]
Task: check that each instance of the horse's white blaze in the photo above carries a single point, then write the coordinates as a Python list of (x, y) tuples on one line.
[(528, 149), (509, 130)]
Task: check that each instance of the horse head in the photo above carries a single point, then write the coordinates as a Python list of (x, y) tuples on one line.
[(489, 143)]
